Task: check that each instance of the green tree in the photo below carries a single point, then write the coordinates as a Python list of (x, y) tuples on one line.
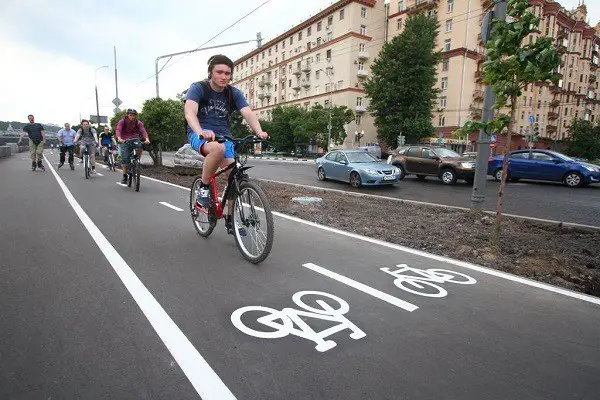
[(584, 140), (401, 87), (164, 121), (283, 124), (314, 126), (511, 66), (238, 128)]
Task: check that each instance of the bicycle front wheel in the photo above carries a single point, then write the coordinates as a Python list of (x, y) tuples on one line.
[(204, 222), (252, 222), (86, 166), (136, 175)]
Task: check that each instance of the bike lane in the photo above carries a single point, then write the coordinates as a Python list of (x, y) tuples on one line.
[(492, 338)]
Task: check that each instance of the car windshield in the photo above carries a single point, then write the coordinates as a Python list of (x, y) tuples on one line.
[(561, 156), (447, 153), (360, 157)]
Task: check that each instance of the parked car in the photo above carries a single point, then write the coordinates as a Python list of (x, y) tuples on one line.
[(372, 148), (545, 165), (357, 167), (424, 160), (469, 154)]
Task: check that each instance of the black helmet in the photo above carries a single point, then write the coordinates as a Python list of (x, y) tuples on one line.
[(131, 111)]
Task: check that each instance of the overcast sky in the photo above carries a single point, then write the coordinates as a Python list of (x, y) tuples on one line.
[(50, 49)]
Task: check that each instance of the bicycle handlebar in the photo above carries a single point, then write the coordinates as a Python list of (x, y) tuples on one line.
[(223, 139)]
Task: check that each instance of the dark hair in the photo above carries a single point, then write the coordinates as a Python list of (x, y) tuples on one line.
[(30, 115), (84, 120), (219, 59)]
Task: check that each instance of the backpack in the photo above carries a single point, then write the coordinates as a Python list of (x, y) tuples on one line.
[(204, 101)]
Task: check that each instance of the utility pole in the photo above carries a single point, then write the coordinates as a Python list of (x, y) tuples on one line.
[(489, 99), (157, 71), (96, 87), (116, 84)]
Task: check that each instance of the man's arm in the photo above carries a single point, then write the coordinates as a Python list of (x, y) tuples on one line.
[(119, 129), (191, 115), (59, 137), (21, 136), (143, 131), (43, 136), (95, 135), (253, 122), (76, 137)]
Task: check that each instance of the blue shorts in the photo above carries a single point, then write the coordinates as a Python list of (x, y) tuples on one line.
[(197, 141)]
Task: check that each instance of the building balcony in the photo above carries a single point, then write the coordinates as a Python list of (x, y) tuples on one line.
[(478, 94), (475, 112), (297, 71), (553, 116), (305, 83), (422, 5), (485, 4), (361, 73), (555, 103), (479, 75), (296, 86), (261, 96), (593, 78), (306, 67), (363, 55), (267, 95), (264, 82), (555, 89), (561, 34), (551, 128), (360, 109)]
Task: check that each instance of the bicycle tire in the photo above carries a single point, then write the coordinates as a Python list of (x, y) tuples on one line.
[(86, 166), (403, 284), (454, 276), (246, 187), (136, 174), (204, 229)]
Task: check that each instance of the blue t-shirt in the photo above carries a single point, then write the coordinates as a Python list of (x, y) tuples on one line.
[(214, 115)]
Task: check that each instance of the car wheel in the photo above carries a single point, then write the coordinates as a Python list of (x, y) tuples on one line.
[(448, 176), (498, 175), (355, 180), (421, 177), (402, 171), (470, 181), (574, 179), (321, 174)]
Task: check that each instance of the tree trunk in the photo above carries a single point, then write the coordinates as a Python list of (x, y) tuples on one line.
[(496, 236)]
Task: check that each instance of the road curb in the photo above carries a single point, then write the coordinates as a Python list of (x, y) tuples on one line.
[(282, 159), (423, 203)]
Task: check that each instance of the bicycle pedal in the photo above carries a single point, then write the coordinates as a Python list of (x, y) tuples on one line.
[(242, 231)]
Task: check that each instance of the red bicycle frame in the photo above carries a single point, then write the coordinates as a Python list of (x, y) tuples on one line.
[(218, 205)]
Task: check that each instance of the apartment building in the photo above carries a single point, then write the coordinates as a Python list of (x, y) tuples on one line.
[(460, 73), (323, 60)]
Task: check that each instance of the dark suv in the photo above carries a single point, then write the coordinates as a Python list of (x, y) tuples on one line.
[(424, 160)]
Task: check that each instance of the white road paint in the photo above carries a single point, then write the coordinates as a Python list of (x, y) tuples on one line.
[(204, 379), (121, 184), (425, 282), (362, 287), (164, 203), (99, 174), (463, 264), (291, 318)]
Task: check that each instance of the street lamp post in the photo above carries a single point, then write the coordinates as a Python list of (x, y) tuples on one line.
[(96, 86), (330, 105)]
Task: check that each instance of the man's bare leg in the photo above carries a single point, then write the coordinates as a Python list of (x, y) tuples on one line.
[(214, 157)]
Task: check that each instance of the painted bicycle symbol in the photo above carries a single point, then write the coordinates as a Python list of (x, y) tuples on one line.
[(425, 282), (289, 321)]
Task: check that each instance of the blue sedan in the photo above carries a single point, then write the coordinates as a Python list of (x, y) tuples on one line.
[(545, 165), (357, 167)]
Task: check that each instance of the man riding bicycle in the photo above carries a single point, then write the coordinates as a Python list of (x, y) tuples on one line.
[(107, 142), (86, 136), (127, 129), (208, 105)]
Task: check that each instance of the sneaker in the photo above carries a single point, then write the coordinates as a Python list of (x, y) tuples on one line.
[(60, 165), (72, 167), (229, 225), (124, 180), (203, 198), (41, 166), (33, 167), (93, 170)]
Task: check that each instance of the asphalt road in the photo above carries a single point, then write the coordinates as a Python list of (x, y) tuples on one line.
[(532, 199), (107, 293)]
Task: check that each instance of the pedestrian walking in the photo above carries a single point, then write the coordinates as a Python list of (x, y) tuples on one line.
[(37, 140), (66, 140)]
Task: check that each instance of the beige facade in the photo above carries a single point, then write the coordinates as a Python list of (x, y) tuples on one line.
[(323, 60), (326, 59)]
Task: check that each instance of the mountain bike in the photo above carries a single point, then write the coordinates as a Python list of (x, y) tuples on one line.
[(111, 158), (252, 219), (133, 169), (86, 161)]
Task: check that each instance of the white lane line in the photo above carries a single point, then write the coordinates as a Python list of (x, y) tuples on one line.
[(121, 184), (164, 203), (99, 174), (464, 264), (166, 183), (362, 287), (204, 379)]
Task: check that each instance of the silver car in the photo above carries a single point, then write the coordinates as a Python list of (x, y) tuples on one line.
[(357, 167)]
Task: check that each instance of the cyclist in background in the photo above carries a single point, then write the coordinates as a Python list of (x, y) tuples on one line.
[(130, 128), (107, 143), (87, 136)]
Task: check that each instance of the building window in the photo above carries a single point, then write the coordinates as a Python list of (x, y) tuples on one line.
[(443, 102), (359, 101), (361, 47), (319, 24), (341, 14), (326, 103), (308, 45), (328, 87), (361, 66), (317, 74), (358, 119), (318, 57), (363, 29), (363, 12), (400, 5), (446, 64), (340, 85), (450, 6), (447, 44), (329, 35), (283, 55), (299, 35), (441, 120), (330, 20), (291, 40), (309, 31), (317, 89), (269, 52), (329, 54), (399, 23), (290, 83), (449, 25), (445, 83)]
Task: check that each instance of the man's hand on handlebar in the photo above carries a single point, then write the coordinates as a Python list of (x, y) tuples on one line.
[(147, 141), (207, 135), (263, 135)]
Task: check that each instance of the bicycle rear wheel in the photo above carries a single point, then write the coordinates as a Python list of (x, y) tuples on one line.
[(136, 174), (252, 222), (86, 166), (203, 222), (111, 161)]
